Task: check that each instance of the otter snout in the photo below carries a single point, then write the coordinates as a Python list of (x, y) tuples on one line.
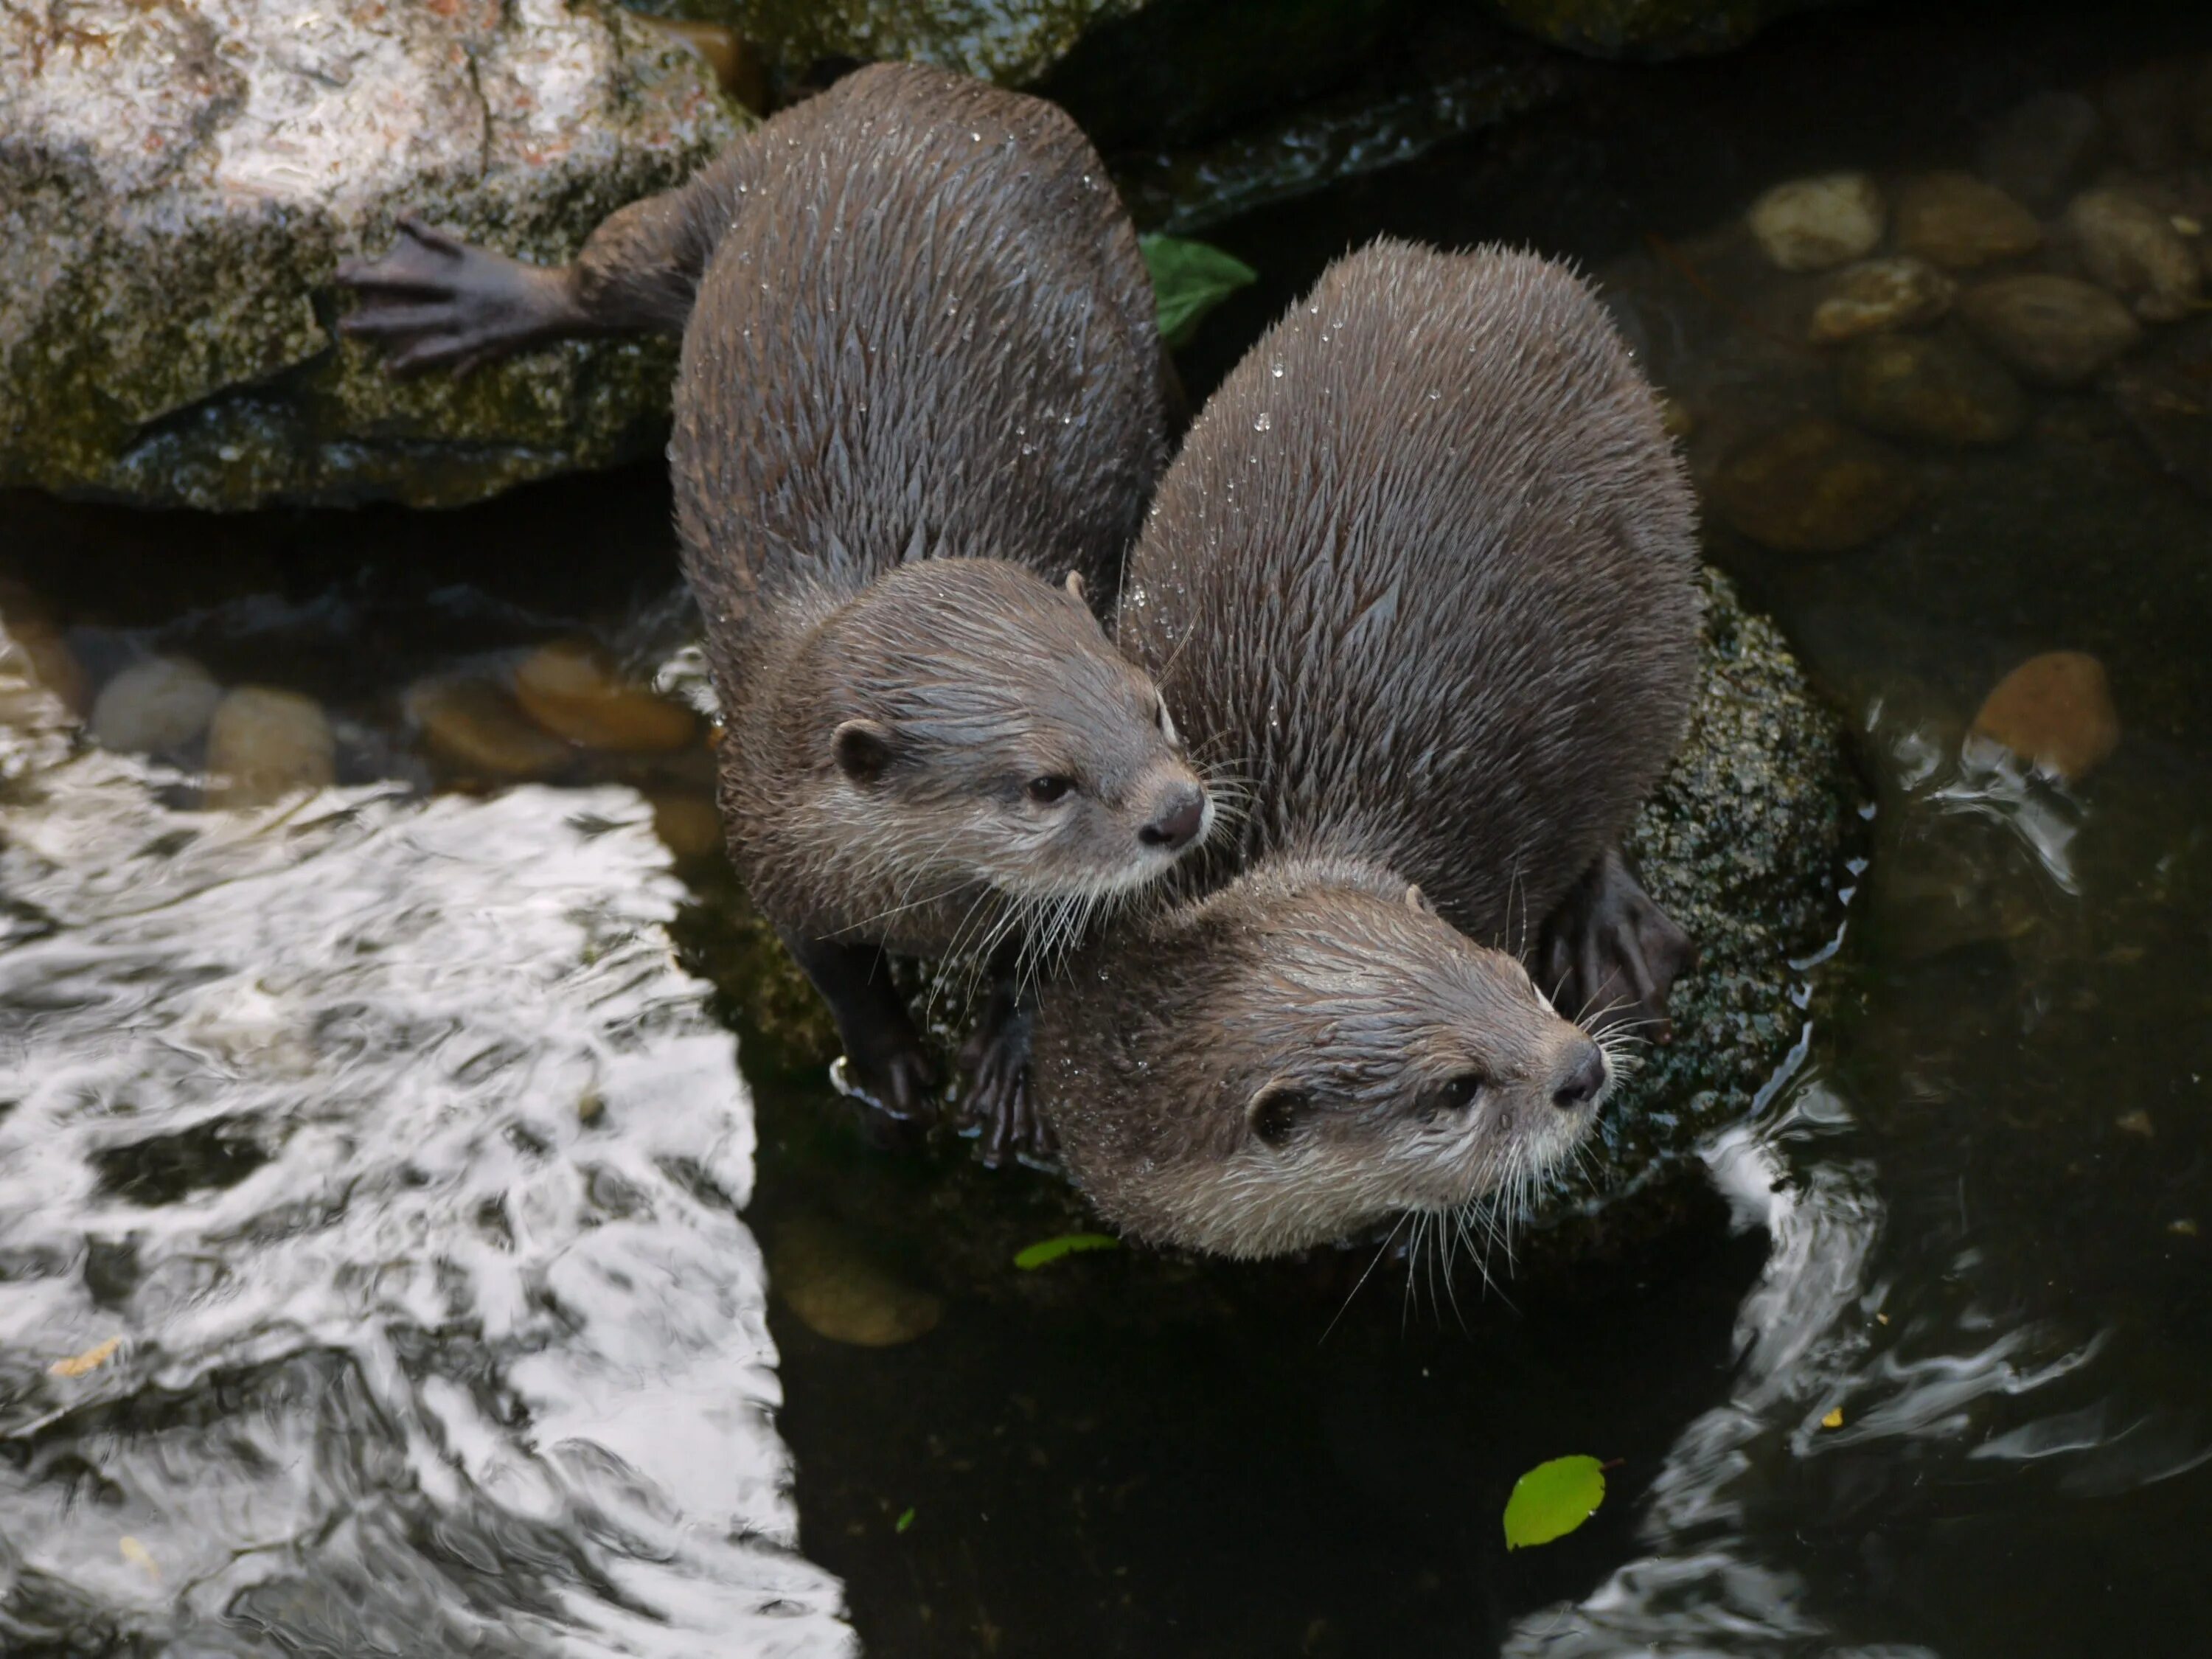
[(1580, 1076), (1178, 817)]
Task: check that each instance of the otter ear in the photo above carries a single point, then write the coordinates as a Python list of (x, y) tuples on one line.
[(1075, 586), (862, 749), (1276, 1109), (1417, 903)]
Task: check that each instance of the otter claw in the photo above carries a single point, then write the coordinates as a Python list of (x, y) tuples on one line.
[(435, 301), (1612, 955), (998, 1100)]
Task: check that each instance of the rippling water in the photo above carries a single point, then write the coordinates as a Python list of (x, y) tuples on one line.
[(378, 1169)]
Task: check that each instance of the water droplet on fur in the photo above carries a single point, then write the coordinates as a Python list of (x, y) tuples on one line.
[(1275, 369), (1262, 423)]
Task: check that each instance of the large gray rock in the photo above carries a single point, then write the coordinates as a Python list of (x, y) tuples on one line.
[(176, 185)]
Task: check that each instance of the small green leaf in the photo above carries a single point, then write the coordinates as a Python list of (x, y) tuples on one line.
[(904, 1521), (1553, 1499), (1051, 1250), (1189, 280)]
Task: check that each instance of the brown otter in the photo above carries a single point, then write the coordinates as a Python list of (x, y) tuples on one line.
[(921, 381), (1423, 568)]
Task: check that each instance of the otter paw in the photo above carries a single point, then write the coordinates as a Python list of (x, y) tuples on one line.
[(894, 1078), (435, 301), (998, 1101), (1611, 955)]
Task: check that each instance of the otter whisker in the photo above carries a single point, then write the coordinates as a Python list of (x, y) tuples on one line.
[(1360, 1284)]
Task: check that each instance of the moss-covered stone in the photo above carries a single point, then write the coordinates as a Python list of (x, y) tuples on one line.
[(177, 184), (1010, 41), (1647, 28)]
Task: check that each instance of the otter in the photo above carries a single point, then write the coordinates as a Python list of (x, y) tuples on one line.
[(1423, 571), (921, 381)]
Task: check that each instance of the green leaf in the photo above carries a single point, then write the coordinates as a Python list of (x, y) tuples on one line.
[(904, 1521), (1553, 1499), (1189, 280), (1051, 1250)]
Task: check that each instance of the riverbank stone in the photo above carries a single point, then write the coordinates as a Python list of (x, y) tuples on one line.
[(1877, 296), (1813, 487), (2044, 149), (574, 690), (2127, 246), (2056, 712), (480, 732), (1814, 224), (1928, 388), (264, 742), (2055, 330), (1955, 221), (157, 707), (177, 184)]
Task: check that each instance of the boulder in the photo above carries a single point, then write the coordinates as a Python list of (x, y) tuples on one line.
[(176, 185)]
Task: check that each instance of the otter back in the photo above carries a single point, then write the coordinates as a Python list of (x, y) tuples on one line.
[(1424, 570)]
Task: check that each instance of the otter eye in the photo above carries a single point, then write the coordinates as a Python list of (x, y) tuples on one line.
[(1453, 1096), (1048, 789)]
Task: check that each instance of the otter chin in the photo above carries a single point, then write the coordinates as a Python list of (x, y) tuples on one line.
[(1304, 1054)]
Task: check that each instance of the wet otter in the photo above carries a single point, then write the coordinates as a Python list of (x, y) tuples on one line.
[(1423, 568), (920, 382)]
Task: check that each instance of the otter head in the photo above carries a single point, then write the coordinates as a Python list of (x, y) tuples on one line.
[(981, 726), (1306, 1053)]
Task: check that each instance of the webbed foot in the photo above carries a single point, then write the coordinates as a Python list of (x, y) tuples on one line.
[(998, 1100), (435, 301), (885, 1062), (1610, 955)]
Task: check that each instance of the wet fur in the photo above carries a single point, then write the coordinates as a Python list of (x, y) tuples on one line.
[(1422, 574)]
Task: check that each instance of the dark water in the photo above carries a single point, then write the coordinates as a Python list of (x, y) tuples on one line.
[(399, 1134)]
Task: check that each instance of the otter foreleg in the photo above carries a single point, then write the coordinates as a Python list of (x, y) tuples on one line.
[(998, 1100), (884, 1060), (1610, 955)]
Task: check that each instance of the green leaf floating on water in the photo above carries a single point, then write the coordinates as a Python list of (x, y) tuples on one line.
[(1189, 280), (1051, 1250), (1553, 1499), (904, 1521)]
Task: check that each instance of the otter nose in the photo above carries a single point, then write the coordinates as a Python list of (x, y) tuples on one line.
[(1181, 815), (1580, 1078)]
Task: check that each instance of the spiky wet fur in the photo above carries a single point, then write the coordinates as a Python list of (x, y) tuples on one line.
[(924, 333), (1424, 568)]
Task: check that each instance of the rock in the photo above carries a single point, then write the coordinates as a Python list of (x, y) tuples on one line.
[(1879, 294), (2055, 330), (1813, 487), (2130, 247), (839, 1292), (178, 184), (1955, 221), (477, 729), (2056, 712), (739, 69), (1934, 388), (687, 826), (1811, 224), (1647, 29), (572, 689), (2044, 149), (29, 634), (2168, 401), (1010, 41), (264, 743), (157, 707), (2144, 107)]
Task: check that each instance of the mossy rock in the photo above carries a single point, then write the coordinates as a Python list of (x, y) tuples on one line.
[(177, 184), (1646, 28)]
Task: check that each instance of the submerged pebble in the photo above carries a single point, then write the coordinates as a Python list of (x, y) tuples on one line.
[(1877, 296), (1811, 224), (2056, 330), (1932, 388), (264, 743), (155, 707), (839, 1292), (573, 689), (1813, 487), (1954, 220), (2044, 149), (472, 724), (2054, 711), (2130, 247), (43, 656)]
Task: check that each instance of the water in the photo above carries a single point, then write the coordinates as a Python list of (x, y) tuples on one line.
[(401, 1138)]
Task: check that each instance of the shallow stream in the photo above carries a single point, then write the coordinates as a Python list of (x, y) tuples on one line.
[(420, 1220)]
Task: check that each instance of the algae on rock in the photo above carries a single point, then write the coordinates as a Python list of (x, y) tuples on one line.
[(177, 184)]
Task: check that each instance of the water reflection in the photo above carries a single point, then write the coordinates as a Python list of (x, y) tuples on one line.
[(388, 1139)]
